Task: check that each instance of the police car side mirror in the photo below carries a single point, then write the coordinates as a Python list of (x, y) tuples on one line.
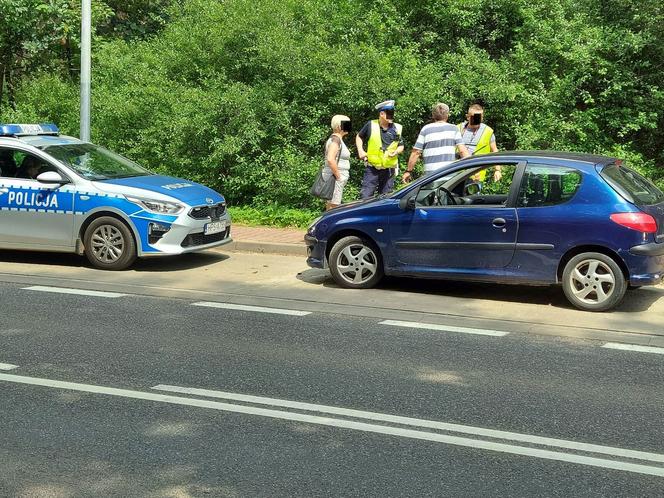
[(52, 177)]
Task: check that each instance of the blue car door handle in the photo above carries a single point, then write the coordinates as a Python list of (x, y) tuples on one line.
[(499, 222)]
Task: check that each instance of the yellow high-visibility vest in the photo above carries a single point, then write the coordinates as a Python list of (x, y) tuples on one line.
[(483, 145), (377, 157)]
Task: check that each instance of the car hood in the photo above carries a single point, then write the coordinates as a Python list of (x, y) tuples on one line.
[(349, 206), (177, 188)]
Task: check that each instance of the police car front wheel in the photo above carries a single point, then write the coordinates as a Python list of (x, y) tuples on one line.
[(109, 244)]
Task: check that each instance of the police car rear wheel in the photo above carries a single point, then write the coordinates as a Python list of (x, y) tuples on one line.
[(109, 244)]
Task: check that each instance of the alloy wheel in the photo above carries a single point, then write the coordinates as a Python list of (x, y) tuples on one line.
[(108, 244), (357, 263), (592, 281)]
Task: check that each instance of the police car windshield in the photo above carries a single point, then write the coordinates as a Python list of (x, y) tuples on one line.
[(95, 163)]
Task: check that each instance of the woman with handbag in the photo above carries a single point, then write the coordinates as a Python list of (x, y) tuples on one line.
[(337, 159)]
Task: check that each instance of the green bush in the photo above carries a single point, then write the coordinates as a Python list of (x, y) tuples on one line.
[(238, 95)]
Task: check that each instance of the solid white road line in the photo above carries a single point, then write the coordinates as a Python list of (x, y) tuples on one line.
[(258, 309), (345, 424), (421, 423), (633, 347), (7, 366), (80, 292), (445, 328)]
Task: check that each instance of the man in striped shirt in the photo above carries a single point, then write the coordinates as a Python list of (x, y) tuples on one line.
[(437, 144)]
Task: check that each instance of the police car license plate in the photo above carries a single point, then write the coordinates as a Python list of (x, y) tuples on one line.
[(214, 227)]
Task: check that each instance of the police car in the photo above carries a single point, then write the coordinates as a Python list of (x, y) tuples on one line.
[(58, 193)]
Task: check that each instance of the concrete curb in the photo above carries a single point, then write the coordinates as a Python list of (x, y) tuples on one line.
[(266, 247)]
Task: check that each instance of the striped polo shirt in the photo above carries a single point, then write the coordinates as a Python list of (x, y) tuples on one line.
[(438, 142)]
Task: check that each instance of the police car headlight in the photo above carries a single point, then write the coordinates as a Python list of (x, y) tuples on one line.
[(159, 207)]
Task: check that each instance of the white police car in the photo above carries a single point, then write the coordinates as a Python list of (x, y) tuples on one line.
[(58, 193)]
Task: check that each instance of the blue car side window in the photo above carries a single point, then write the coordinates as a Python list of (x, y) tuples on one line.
[(544, 185)]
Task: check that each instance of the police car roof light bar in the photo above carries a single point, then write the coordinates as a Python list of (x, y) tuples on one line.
[(17, 130)]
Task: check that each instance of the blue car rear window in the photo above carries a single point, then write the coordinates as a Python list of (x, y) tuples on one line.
[(630, 184)]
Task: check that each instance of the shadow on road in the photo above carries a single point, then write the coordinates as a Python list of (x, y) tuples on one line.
[(154, 264), (635, 301)]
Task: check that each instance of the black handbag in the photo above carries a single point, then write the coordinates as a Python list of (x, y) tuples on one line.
[(322, 188)]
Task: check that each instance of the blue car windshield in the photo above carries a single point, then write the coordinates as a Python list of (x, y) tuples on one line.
[(95, 163)]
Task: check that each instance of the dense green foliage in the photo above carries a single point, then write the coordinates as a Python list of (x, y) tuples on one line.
[(239, 94)]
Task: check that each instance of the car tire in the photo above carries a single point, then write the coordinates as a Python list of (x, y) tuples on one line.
[(593, 281), (356, 263), (109, 244)]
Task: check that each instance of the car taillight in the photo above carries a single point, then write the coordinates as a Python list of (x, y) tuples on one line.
[(641, 222)]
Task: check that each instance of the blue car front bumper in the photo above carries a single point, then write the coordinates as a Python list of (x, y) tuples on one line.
[(315, 252)]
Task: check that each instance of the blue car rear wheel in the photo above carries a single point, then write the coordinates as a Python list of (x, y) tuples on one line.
[(593, 281)]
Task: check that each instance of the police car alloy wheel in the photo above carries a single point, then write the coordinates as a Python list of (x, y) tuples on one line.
[(109, 244), (593, 282), (355, 263)]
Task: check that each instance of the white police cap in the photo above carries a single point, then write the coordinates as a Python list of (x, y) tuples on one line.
[(385, 106)]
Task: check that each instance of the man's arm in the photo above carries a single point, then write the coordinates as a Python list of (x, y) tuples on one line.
[(412, 161), (398, 151), (362, 135), (400, 148), (360, 147), (463, 150)]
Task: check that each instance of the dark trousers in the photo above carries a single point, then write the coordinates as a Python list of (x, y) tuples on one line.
[(381, 179)]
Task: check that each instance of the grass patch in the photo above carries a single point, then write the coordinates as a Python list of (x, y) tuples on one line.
[(272, 215)]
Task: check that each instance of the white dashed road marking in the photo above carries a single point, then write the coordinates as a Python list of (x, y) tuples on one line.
[(7, 366), (80, 292), (258, 309), (444, 328), (633, 347), (529, 451)]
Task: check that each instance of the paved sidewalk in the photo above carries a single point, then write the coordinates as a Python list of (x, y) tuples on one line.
[(269, 240)]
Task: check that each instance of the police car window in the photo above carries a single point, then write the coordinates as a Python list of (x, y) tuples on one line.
[(96, 163), (8, 164), (22, 165), (547, 185)]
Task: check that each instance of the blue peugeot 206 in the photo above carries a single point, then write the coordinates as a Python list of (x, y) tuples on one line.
[(58, 193), (538, 218)]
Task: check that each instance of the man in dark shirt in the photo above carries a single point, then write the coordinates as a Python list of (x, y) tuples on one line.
[(384, 143)]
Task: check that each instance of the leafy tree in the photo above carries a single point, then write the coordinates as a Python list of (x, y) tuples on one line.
[(239, 95)]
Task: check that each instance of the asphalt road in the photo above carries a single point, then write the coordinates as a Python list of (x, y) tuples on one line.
[(110, 433)]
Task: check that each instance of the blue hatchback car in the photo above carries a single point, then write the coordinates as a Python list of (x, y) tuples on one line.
[(538, 218)]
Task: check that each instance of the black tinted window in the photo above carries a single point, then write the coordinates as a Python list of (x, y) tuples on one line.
[(638, 188), (547, 185)]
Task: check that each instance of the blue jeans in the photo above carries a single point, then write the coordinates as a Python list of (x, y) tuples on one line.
[(381, 179)]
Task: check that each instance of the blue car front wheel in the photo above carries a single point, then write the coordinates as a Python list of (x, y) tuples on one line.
[(355, 263)]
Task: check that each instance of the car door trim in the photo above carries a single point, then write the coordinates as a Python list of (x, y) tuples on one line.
[(523, 246), (526, 246), (456, 245)]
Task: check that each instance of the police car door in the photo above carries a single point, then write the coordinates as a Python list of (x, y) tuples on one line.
[(34, 214)]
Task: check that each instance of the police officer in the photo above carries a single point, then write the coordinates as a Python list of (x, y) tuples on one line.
[(384, 143)]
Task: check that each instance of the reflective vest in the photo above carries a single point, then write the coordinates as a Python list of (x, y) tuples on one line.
[(379, 158), (483, 144)]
